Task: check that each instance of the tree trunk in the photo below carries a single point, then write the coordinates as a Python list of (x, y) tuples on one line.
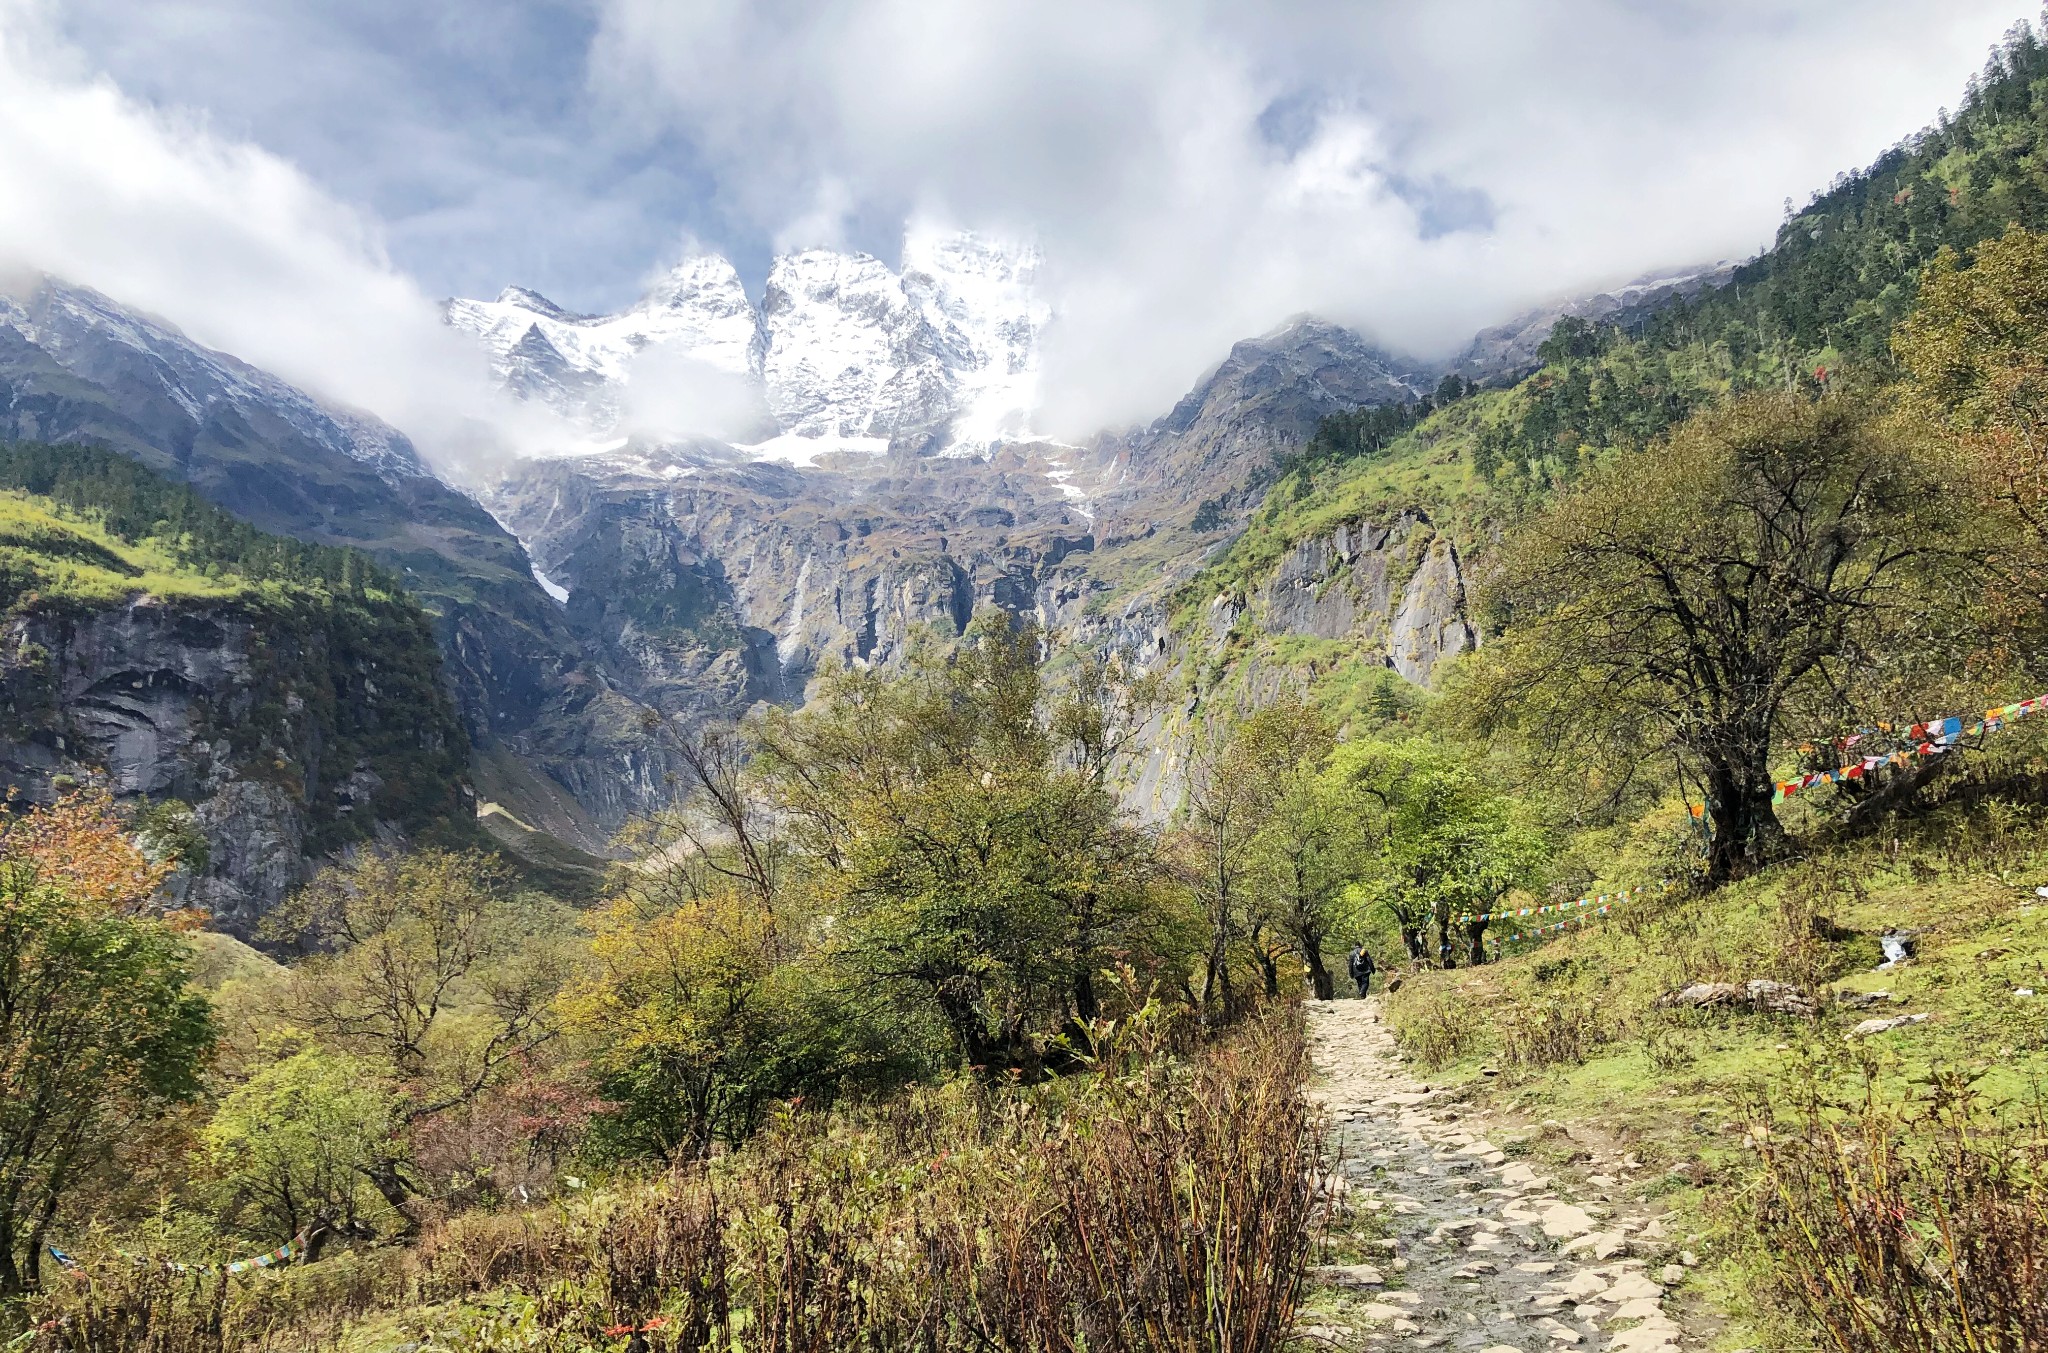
[(1475, 938), (1746, 833), (1268, 959), (1411, 940), (1319, 979), (10, 1274), (959, 1000), (46, 1216), (1216, 980), (1086, 1006), (385, 1176)]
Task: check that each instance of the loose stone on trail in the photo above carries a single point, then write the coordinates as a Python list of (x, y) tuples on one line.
[(1480, 1245)]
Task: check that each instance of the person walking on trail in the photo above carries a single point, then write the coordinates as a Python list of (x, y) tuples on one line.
[(1361, 969)]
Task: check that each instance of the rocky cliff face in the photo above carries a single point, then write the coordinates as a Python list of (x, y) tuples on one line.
[(77, 367), (1394, 590), (223, 708), (706, 587), (708, 590), (1261, 403), (688, 579), (1377, 596)]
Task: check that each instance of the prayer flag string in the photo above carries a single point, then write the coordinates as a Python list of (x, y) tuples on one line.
[(1923, 740), (283, 1254), (1931, 738)]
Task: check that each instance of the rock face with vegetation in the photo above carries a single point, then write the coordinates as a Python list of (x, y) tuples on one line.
[(77, 368), (1396, 589), (292, 696), (1258, 406), (715, 589)]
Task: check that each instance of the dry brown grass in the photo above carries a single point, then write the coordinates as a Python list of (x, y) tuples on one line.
[(1158, 1204), (1909, 1228)]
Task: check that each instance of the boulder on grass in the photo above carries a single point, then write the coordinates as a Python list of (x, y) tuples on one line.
[(1763, 996)]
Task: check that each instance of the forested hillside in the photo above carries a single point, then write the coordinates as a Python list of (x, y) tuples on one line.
[(289, 697)]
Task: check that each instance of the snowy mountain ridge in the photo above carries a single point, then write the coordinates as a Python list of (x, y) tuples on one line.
[(843, 353), (71, 323)]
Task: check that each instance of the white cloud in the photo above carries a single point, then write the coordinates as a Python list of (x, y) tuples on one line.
[(1197, 172), (671, 394), (1194, 171), (233, 244)]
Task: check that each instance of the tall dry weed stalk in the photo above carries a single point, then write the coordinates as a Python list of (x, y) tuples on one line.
[(1163, 1202), (1193, 1206), (1917, 1228), (122, 1305), (1161, 1206), (1157, 1204)]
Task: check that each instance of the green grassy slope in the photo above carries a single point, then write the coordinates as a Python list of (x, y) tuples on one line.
[(1572, 1031)]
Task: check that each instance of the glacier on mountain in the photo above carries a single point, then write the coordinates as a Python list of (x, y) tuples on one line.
[(843, 355)]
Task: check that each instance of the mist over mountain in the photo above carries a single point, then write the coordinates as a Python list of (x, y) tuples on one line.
[(842, 354)]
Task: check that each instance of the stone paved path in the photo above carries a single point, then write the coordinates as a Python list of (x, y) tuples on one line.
[(1484, 1253)]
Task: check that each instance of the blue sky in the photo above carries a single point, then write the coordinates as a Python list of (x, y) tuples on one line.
[(300, 182)]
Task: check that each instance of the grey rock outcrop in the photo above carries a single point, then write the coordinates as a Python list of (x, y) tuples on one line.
[(1395, 589), (77, 367), (709, 591), (275, 721), (1260, 403), (146, 698)]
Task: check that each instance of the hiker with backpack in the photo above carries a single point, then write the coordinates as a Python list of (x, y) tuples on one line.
[(1362, 968)]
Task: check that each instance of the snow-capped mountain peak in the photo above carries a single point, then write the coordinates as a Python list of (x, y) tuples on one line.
[(843, 353), (984, 300), (849, 355)]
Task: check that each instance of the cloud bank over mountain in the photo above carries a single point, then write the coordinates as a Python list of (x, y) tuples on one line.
[(231, 242), (1197, 172), (301, 185)]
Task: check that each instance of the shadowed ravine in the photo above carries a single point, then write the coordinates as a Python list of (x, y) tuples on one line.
[(1479, 1251)]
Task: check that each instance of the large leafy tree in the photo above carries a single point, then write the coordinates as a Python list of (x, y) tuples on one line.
[(300, 1141), (960, 831), (1451, 843), (1315, 834), (97, 1026), (699, 1015), (1776, 567), (431, 965)]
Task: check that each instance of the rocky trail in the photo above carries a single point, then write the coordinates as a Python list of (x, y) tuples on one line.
[(1474, 1250)]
